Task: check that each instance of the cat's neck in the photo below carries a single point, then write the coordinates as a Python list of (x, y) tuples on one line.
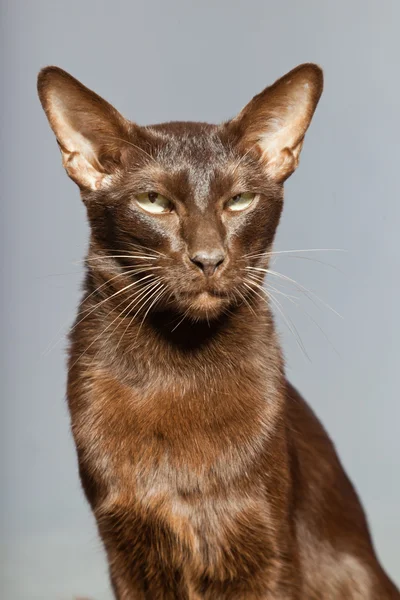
[(227, 373), (185, 335), (164, 344)]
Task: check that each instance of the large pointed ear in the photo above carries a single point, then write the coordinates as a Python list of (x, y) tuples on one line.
[(89, 131), (274, 122)]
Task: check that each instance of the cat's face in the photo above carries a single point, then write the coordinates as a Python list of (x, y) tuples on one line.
[(183, 209), (197, 209)]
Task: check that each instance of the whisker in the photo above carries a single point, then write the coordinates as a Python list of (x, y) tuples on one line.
[(136, 296), (306, 291), (321, 262), (316, 324), (243, 157), (273, 252), (287, 320), (152, 291), (293, 299), (133, 145), (246, 301), (275, 256), (273, 288), (181, 320), (108, 326), (137, 281), (280, 308), (149, 308), (260, 278), (53, 344), (138, 247), (86, 260), (147, 248), (90, 310)]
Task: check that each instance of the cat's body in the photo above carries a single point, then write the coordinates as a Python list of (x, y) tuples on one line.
[(220, 486), (209, 476)]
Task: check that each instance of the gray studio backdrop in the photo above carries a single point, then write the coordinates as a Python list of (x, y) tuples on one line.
[(179, 60)]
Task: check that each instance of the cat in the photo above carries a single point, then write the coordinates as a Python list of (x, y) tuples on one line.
[(208, 474)]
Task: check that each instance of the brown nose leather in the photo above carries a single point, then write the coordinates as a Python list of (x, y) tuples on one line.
[(208, 261)]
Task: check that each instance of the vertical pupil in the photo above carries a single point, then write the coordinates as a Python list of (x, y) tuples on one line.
[(153, 196)]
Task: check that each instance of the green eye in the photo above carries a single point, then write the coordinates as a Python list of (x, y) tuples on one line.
[(240, 202), (154, 203)]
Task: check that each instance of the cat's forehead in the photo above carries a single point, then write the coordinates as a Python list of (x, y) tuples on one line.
[(190, 142), (199, 155)]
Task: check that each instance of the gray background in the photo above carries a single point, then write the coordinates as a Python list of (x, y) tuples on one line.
[(166, 60)]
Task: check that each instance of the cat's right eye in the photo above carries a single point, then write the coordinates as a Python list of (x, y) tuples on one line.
[(154, 203)]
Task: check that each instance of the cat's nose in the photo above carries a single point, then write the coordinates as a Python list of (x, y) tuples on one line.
[(208, 261)]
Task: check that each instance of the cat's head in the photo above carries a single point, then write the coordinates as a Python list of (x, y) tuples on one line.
[(189, 209)]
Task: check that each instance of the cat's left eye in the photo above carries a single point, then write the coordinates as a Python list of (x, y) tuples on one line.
[(240, 201), (154, 203)]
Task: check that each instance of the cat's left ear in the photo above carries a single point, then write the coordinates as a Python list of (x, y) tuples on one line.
[(275, 121)]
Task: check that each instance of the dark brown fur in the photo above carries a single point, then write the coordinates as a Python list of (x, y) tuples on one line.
[(209, 476)]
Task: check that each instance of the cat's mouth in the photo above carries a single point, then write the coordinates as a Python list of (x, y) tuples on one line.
[(206, 294), (206, 303)]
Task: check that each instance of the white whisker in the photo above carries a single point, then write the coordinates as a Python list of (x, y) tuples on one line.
[(141, 248), (88, 260), (316, 324), (272, 287), (152, 291), (306, 291), (131, 144), (181, 320), (150, 306), (246, 301), (243, 157), (136, 299), (91, 309), (274, 252), (117, 293), (292, 328)]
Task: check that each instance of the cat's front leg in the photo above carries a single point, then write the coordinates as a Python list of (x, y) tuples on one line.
[(143, 557)]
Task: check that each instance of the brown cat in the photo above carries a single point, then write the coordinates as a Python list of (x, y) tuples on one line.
[(209, 476)]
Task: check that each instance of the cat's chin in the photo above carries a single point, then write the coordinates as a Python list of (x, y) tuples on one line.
[(206, 305)]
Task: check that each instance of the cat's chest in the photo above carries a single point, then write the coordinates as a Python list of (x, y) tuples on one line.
[(178, 441), (197, 475), (166, 431)]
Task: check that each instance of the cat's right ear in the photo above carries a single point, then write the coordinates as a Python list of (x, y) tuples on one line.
[(88, 129), (273, 124)]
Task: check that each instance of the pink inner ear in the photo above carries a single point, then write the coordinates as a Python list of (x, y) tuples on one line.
[(82, 172), (277, 119), (88, 129)]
